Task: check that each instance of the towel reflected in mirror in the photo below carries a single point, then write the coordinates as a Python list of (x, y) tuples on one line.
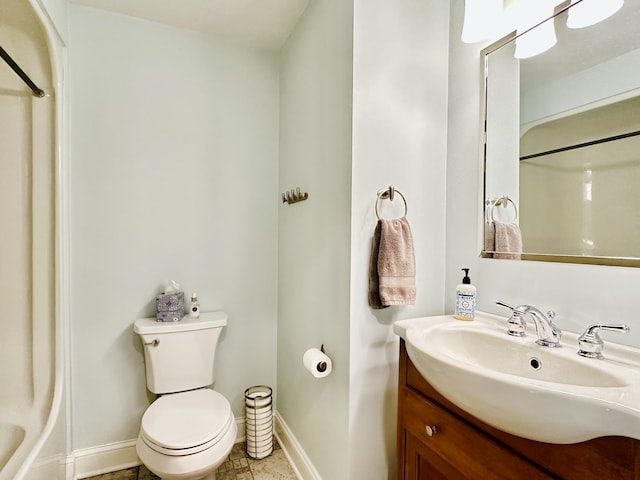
[(502, 240)]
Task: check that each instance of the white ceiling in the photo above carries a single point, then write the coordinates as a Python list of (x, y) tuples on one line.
[(256, 23)]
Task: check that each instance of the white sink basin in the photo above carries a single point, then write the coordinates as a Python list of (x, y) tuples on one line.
[(545, 394)]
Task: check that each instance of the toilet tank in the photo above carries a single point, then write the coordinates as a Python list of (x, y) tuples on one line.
[(180, 355)]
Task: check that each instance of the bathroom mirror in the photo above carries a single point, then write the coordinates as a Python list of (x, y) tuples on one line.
[(561, 146)]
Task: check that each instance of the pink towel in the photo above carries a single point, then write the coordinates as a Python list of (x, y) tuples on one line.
[(392, 276), (489, 240), (374, 280), (508, 241)]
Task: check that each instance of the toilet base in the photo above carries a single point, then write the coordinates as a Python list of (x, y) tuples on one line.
[(211, 476), (199, 466)]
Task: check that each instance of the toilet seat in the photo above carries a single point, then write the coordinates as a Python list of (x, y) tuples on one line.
[(186, 423)]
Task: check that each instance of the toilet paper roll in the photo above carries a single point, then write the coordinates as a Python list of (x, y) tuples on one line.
[(317, 363)]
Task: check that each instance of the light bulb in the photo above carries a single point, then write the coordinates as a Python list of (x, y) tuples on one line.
[(536, 29), (483, 19), (536, 41), (589, 12)]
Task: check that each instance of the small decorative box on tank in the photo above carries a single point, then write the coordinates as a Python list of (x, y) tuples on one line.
[(170, 307)]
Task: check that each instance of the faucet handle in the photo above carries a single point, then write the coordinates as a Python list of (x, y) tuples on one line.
[(520, 309), (516, 324), (591, 344), (502, 304)]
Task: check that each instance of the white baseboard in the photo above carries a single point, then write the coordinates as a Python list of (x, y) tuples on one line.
[(88, 462), (294, 452), (240, 435), (112, 457), (122, 455)]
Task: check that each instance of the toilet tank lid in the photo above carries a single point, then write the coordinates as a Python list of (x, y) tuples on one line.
[(146, 326)]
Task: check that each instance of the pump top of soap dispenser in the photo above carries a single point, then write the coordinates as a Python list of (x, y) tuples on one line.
[(466, 280)]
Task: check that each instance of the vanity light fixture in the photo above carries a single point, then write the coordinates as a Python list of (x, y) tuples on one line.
[(537, 41), (536, 20), (584, 13), (483, 19), (492, 19)]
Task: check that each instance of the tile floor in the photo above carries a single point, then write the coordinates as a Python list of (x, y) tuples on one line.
[(237, 467)]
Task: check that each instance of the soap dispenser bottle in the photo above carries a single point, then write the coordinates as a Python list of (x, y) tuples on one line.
[(465, 298), (194, 307)]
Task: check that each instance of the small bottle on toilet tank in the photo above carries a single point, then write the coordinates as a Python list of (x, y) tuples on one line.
[(194, 307)]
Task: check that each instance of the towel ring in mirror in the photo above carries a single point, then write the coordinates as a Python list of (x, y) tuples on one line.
[(504, 202)]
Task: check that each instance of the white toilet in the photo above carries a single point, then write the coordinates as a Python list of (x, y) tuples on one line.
[(189, 430)]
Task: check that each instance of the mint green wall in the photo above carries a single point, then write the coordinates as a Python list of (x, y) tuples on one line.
[(399, 137), (314, 236), (173, 175), (363, 105)]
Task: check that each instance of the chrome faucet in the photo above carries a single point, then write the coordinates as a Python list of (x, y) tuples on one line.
[(548, 333), (591, 344)]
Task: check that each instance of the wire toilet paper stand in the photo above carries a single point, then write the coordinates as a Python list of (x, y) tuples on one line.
[(259, 421)]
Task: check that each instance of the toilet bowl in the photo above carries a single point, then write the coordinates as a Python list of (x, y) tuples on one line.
[(189, 430), (187, 436)]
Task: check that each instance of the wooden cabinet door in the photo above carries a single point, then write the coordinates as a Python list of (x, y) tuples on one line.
[(456, 450), (421, 463)]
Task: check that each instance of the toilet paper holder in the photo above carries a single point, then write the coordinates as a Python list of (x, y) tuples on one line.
[(322, 366), (317, 362)]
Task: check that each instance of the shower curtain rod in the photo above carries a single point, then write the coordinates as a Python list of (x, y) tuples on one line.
[(581, 145), (25, 78)]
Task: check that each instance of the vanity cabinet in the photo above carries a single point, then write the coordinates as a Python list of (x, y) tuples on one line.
[(437, 440)]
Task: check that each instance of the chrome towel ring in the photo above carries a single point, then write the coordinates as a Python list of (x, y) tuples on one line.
[(389, 194)]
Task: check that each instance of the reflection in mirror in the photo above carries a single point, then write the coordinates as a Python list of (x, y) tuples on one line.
[(562, 145)]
